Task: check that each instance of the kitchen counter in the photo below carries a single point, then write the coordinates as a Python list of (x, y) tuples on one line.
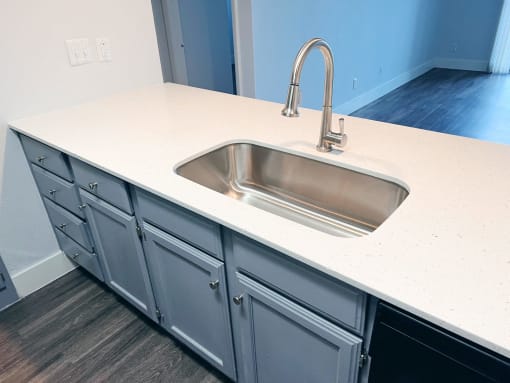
[(444, 254)]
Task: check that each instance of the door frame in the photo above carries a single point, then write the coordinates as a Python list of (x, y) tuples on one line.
[(243, 47), (171, 47), (170, 42)]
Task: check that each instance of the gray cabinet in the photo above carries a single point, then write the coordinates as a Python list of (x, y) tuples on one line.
[(58, 190), (120, 252), (46, 157), (278, 320), (78, 254), (291, 323), (59, 193), (68, 223), (190, 288), (336, 301), (181, 223), (102, 185), (8, 293), (281, 341)]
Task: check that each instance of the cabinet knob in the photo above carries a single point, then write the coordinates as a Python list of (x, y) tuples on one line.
[(75, 255), (238, 299), (214, 284), (81, 207), (41, 159), (62, 226), (93, 186), (52, 192)]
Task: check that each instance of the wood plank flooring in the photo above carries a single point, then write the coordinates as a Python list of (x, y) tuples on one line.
[(465, 103), (76, 330)]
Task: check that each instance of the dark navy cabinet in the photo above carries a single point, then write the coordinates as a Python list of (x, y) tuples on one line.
[(118, 245), (190, 288)]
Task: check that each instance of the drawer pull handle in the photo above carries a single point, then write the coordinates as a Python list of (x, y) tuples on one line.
[(81, 207), (214, 284), (41, 159), (238, 299), (62, 226), (93, 186), (75, 255), (52, 192)]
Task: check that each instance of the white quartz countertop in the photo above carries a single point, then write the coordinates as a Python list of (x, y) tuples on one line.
[(444, 254)]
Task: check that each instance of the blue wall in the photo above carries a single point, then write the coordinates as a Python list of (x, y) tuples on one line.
[(207, 37), (468, 28), (373, 41)]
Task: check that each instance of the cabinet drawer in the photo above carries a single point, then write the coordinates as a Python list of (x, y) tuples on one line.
[(79, 255), (58, 190), (102, 185), (46, 157), (186, 225), (334, 299), (68, 223)]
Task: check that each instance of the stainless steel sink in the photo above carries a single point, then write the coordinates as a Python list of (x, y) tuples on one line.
[(329, 198)]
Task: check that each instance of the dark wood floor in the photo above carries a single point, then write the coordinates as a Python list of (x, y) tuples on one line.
[(76, 330), (465, 103)]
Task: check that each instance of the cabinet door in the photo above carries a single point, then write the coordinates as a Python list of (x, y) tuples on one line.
[(120, 252), (280, 341), (190, 289)]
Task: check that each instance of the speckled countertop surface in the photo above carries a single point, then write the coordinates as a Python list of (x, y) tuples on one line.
[(443, 255)]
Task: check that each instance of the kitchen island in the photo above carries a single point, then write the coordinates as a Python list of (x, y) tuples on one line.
[(443, 255)]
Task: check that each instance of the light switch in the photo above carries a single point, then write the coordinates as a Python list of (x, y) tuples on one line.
[(104, 50), (78, 51)]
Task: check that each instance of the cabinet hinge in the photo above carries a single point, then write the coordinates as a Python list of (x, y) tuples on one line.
[(140, 233), (363, 358), (159, 316)]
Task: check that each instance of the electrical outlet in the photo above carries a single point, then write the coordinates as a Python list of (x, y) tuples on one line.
[(355, 83), (454, 47), (104, 50), (78, 51)]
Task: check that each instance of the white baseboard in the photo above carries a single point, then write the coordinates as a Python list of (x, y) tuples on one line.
[(42, 273), (463, 64), (379, 91)]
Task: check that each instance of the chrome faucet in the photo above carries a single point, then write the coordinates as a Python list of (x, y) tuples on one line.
[(327, 138)]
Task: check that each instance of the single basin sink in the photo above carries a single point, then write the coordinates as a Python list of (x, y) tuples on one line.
[(326, 197)]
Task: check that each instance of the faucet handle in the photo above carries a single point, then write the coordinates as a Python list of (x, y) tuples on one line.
[(341, 123), (337, 139)]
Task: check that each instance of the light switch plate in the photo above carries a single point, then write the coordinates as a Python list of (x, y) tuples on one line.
[(78, 51), (104, 50)]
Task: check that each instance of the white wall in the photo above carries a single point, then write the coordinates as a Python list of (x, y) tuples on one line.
[(467, 32), (35, 76)]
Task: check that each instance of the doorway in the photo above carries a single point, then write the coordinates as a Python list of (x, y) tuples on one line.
[(195, 41)]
